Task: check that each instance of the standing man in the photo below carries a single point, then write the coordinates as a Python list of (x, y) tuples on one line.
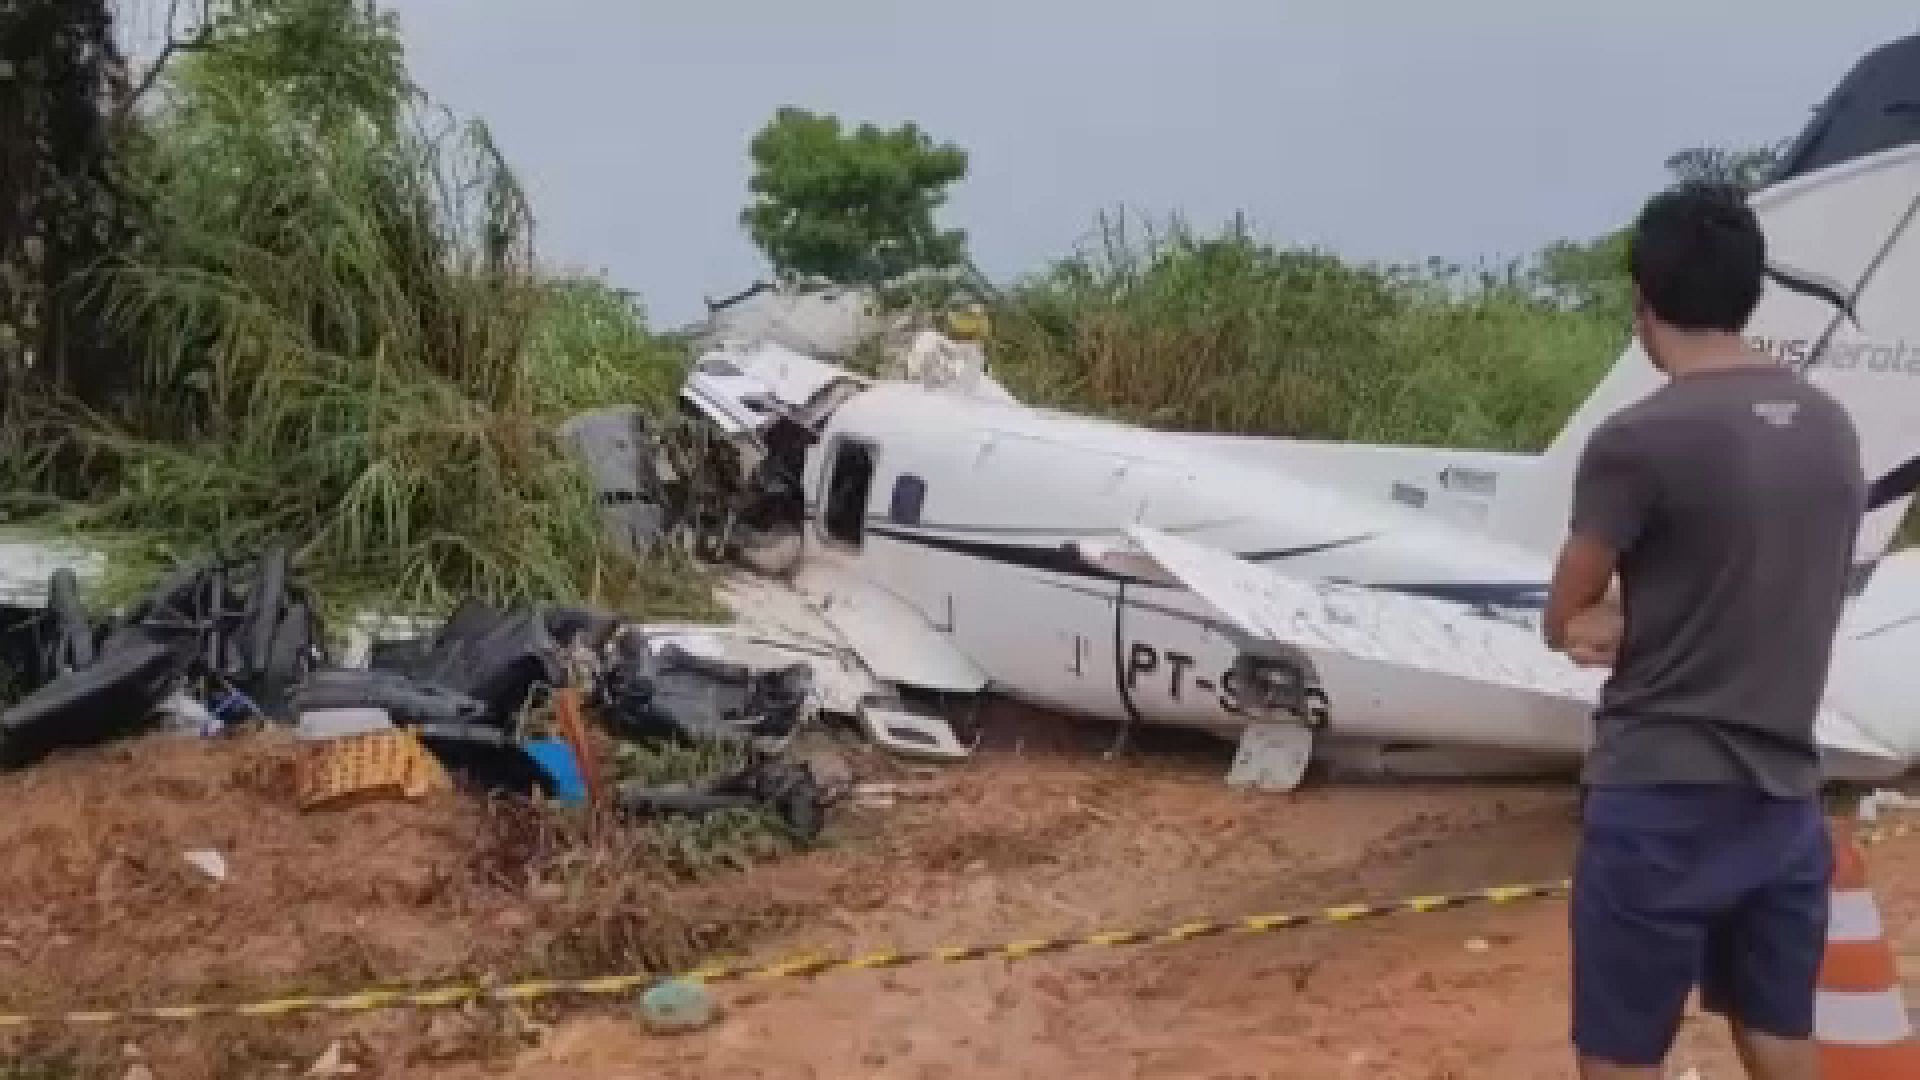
[(1727, 502)]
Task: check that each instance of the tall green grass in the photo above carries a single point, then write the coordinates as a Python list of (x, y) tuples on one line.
[(589, 346), (1162, 325), (1158, 324)]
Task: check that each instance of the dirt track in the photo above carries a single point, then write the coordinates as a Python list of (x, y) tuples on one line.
[(95, 905)]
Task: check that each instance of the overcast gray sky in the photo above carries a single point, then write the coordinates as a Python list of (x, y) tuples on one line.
[(1379, 128)]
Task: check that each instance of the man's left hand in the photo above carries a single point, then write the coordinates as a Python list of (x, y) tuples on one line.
[(1593, 636)]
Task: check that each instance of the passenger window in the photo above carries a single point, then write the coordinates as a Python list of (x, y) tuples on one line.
[(847, 491), (909, 498)]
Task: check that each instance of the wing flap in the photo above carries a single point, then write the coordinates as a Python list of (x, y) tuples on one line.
[(1395, 666), (1415, 633), (1388, 665)]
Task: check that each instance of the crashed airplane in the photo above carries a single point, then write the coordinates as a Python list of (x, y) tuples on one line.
[(1369, 606), (922, 536)]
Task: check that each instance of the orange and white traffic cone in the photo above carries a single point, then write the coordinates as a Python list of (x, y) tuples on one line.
[(1860, 1014)]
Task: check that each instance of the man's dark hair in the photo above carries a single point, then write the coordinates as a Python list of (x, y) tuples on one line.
[(1699, 257)]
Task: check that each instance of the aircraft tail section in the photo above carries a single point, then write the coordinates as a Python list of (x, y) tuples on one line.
[(1842, 220), (1874, 733)]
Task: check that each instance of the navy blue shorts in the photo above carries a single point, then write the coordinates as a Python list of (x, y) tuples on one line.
[(1721, 887)]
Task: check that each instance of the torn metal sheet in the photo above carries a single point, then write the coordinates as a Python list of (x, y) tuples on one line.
[(817, 319), (27, 565), (620, 454)]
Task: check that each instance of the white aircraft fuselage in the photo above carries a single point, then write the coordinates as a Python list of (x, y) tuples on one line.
[(972, 506)]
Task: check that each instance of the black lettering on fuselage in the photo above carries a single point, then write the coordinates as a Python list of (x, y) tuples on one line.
[(1145, 659), (1142, 659), (1230, 692), (1179, 663)]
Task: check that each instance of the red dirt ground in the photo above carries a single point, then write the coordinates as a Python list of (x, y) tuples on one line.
[(97, 905)]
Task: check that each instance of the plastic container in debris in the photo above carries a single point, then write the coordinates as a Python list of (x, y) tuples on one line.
[(556, 758)]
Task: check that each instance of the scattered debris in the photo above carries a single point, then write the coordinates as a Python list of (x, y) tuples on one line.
[(1271, 757), (676, 1007), (667, 689), (885, 795), (232, 636), (1885, 799), (557, 758), (367, 767), (572, 752), (209, 862), (814, 317), (787, 789), (629, 473), (333, 1063), (488, 701)]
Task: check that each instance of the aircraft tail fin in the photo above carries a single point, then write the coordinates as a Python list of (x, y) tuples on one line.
[(1842, 220)]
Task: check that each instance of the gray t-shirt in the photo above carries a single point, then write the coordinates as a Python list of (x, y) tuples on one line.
[(1733, 497)]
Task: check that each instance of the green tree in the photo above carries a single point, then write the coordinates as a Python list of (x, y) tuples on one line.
[(1744, 167), (63, 207), (852, 207), (326, 62), (1591, 276)]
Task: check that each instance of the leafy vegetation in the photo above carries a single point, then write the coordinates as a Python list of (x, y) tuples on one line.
[(39, 1067), (1165, 326), (852, 207), (1162, 325), (62, 208)]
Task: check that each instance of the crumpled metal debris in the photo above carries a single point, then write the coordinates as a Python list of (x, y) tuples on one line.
[(234, 635)]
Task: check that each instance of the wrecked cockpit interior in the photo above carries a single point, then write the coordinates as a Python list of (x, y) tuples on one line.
[(733, 479), (726, 479)]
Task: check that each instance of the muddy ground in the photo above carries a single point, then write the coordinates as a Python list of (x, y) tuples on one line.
[(1037, 837)]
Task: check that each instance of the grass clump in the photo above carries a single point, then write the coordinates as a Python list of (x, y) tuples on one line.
[(610, 894), (589, 346), (39, 1067)]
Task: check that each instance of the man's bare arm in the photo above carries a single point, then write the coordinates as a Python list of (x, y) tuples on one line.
[(1582, 581)]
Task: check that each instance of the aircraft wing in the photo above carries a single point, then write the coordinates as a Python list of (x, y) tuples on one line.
[(1396, 666), (1391, 665)]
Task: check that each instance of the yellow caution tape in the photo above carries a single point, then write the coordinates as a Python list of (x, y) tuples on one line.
[(814, 965), (797, 967)]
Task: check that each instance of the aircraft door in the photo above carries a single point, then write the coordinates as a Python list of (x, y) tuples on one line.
[(847, 492)]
